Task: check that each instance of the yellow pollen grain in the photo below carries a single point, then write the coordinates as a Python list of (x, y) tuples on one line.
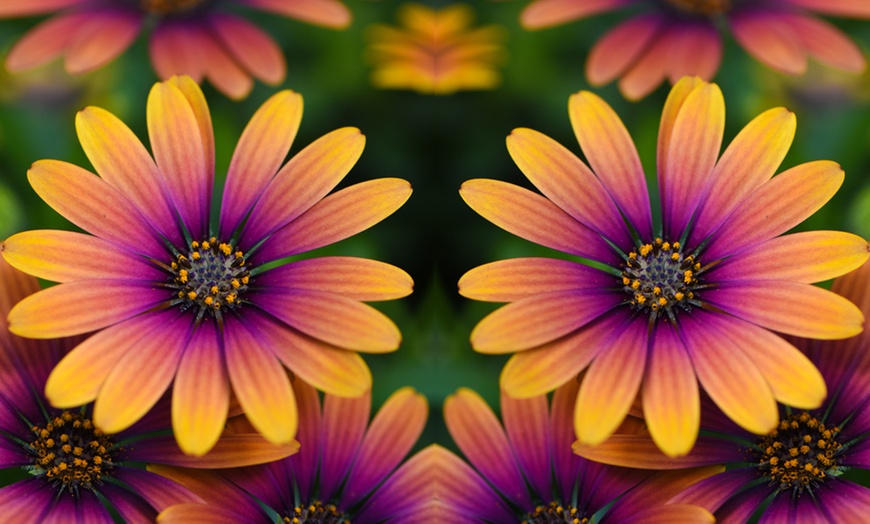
[(194, 244), (645, 249), (225, 249), (214, 290), (239, 254), (245, 280), (663, 301), (235, 283), (666, 246), (231, 298), (640, 299), (208, 300), (678, 296), (632, 255), (675, 257), (626, 281), (774, 461), (206, 245), (635, 284), (191, 295), (195, 255), (793, 452)]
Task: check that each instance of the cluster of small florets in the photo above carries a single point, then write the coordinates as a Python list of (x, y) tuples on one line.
[(210, 277), (658, 277), (165, 7), (800, 453), (70, 452), (316, 513), (701, 7), (555, 513)]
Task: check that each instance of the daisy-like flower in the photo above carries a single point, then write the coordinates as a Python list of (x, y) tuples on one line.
[(345, 470), (798, 467), (75, 472), (658, 312), (199, 38), (436, 51), (537, 479), (210, 308), (672, 38)]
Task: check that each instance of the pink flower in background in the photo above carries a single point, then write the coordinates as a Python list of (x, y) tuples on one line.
[(668, 39), (192, 37)]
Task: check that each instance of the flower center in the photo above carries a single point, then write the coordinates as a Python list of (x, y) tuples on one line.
[(800, 453), (211, 278), (165, 7), (317, 513), (70, 453), (658, 278), (555, 513), (701, 7)]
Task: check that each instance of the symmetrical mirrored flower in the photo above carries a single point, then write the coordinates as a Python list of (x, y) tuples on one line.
[(657, 309), (672, 38), (798, 468), (74, 471), (346, 470), (536, 477), (436, 51), (199, 38), (209, 308)]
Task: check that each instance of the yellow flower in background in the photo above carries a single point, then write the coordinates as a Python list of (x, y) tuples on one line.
[(436, 51)]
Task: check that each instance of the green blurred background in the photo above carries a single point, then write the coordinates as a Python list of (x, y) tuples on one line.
[(436, 143)]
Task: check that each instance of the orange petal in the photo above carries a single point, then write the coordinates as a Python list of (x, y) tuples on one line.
[(355, 278), (343, 426), (338, 216), (639, 451), (250, 46), (611, 385), (527, 422), (231, 451), (174, 50), (64, 256), (544, 13), (730, 378), (328, 13), (201, 394), (692, 152), (142, 375), (809, 256), (58, 312), (783, 306), (540, 370), (770, 39), (673, 105), (617, 50), (650, 69), (611, 153), (305, 180), (45, 42), (696, 49), (390, 436), (826, 43), (258, 156), (100, 39), (177, 142), (567, 182), (539, 319), (671, 402), (786, 201), (220, 68), (259, 381), (478, 433), (122, 161), (199, 514), (517, 278), (749, 161)]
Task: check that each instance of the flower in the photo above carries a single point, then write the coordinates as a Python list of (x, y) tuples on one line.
[(73, 470), (673, 38), (208, 308), (657, 313), (436, 52), (798, 468), (190, 37), (344, 471), (533, 450)]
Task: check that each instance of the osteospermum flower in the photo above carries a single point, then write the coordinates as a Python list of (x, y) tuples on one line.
[(345, 471), (658, 312), (210, 308), (75, 472), (672, 38), (436, 51), (199, 38), (798, 467), (537, 479)]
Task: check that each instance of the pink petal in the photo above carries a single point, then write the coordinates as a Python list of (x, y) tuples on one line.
[(517, 278), (620, 48), (99, 40), (175, 50), (527, 423), (826, 43), (650, 69), (329, 13), (16, 8), (478, 433), (342, 429), (250, 46), (45, 42), (696, 50), (543, 13), (771, 39), (835, 7), (220, 68), (355, 278)]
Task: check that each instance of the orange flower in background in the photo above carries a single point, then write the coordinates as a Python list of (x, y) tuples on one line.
[(436, 51), (672, 38), (190, 37)]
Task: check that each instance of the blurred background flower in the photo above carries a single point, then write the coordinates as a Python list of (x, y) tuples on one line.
[(436, 51), (199, 38), (673, 38)]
